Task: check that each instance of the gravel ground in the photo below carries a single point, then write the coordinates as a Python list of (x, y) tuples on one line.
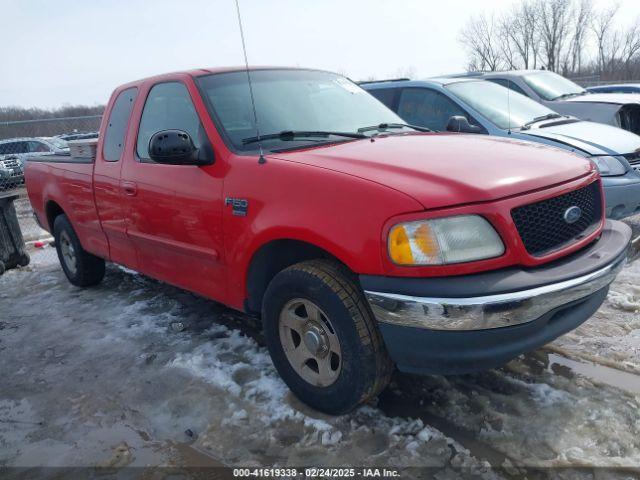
[(136, 373)]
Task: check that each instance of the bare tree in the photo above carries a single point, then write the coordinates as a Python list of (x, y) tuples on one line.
[(631, 47), (607, 39), (558, 35), (405, 72), (555, 21), (519, 31), (582, 16), (479, 37)]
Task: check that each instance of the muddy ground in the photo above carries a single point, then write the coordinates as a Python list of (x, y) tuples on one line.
[(137, 373)]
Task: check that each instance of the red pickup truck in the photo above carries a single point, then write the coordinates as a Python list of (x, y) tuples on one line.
[(362, 243)]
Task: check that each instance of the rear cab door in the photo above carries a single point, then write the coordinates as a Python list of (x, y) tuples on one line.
[(109, 197)]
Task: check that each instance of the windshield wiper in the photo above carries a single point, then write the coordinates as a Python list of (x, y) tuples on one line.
[(288, 135), (548, 116), (385, 126)]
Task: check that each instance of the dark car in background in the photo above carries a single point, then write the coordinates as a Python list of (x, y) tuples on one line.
[(617, 88), (77, 136)]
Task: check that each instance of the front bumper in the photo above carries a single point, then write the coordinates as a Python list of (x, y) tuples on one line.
[(622, 195), (474, 322)]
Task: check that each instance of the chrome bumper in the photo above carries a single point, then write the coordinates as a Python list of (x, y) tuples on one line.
[(492, 311)]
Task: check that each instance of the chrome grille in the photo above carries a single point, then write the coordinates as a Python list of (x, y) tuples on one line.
[(11, 163)]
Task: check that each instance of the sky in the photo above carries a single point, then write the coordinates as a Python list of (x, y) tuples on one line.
[(57, 52)]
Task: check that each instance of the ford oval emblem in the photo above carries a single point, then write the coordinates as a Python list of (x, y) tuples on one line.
[(572, 214)]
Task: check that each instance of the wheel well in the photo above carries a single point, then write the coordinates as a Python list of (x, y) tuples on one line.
[(52, 210), (272, 258)]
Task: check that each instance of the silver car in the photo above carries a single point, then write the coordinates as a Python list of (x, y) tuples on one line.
[(476, 106), (564, 96), (15, 151), (25, 147)]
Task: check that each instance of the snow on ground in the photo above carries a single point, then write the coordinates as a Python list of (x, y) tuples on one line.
[(137, 363), (612, 335), (117, 374)]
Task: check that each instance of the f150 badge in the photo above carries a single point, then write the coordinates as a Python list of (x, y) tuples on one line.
[(239, 206)]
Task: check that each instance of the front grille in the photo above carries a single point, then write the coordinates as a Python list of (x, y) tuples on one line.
[(542, 225), (634, 160), (11, 163)]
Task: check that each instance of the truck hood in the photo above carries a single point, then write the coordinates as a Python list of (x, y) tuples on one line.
[(441, 170), (590, 137), (614, 98)]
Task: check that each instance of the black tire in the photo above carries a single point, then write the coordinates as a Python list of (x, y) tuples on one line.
[(89, 269), (24, 260), (2, 268), (365, 365)]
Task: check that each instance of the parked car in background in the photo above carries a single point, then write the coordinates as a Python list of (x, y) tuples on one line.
[(26, 147), (616, 88), (474, 105), (15, 151), (11, 172), (77, 136), (438, 253), (564, 96)]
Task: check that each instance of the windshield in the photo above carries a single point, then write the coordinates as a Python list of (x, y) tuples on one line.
[(503, 107), (290, 100), (552, 86)]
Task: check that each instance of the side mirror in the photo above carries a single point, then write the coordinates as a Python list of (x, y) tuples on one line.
[(458, 123), (176, 147)]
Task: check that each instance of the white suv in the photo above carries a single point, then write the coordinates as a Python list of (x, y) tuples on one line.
[(15, 151)]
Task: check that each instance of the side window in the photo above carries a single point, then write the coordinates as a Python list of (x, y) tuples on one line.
[(386, 96), (510, 85), (168, 106), (18, 147), (117, 126), (427, 108), (38, 147)]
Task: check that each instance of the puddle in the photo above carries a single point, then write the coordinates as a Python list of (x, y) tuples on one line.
[(598, 373), (542, 361)]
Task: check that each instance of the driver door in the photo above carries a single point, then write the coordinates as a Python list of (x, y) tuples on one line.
[(174, 215)]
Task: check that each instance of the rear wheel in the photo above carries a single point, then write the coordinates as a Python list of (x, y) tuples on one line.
[(81, 267), (323, 338), (24, 260)]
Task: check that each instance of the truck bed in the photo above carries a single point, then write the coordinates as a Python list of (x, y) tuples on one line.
[(65, 182)]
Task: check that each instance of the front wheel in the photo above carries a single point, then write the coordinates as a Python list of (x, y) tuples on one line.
[(322, 337), (81, 267)]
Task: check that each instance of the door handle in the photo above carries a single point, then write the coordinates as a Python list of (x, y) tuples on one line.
[(130, 189)]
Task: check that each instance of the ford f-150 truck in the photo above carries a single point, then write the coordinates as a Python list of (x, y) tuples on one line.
[(362, 242)]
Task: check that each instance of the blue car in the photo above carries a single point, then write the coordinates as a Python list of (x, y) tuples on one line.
[(472, 105), (618, 88)]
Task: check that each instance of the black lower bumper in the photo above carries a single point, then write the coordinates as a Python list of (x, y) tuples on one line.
[(442, 352), (464, 324)]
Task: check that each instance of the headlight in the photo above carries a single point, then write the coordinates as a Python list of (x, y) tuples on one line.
[(609, 166), (463, 238)]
